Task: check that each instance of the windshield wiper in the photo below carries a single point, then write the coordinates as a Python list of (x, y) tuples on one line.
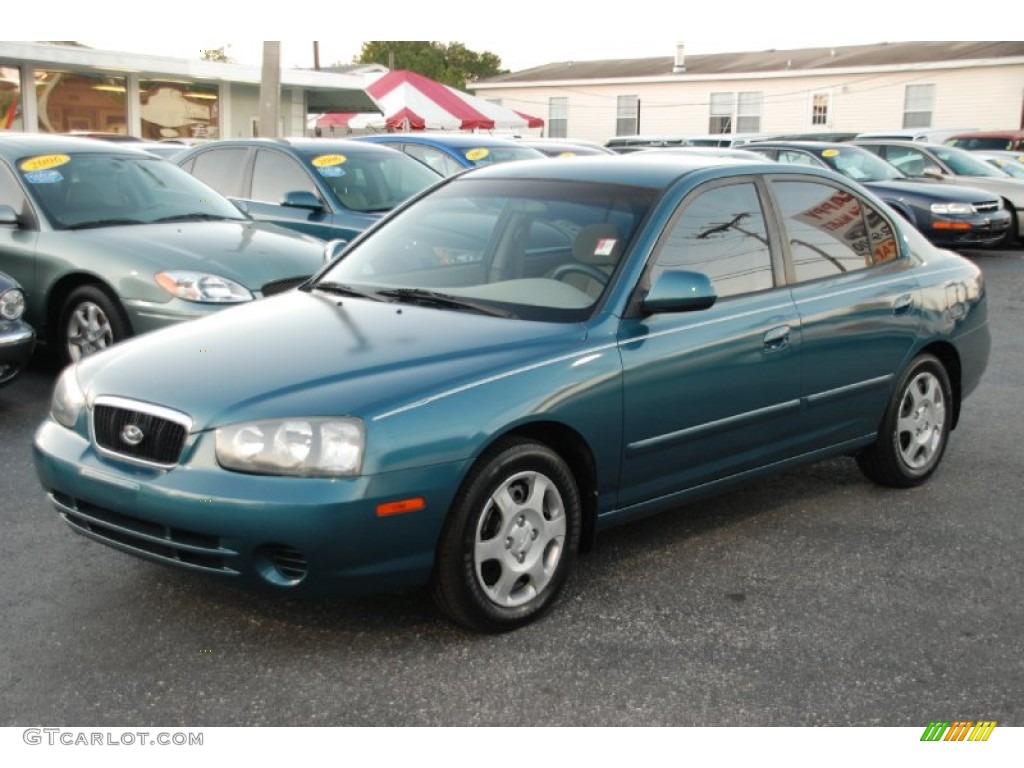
[(341, 289), (195, 217), (103, 223), (447, 301)]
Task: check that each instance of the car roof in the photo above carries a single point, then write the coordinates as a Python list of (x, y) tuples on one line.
[(638, 169), (17, 145), (300, 144), (445, 139), (1007, 134)]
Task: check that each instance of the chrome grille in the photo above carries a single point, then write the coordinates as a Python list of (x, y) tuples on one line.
[(139, 432), (282, 285), (988, 207)]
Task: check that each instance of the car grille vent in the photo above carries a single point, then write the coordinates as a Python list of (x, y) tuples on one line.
[(989, 207), (280, 286), (140, 432), (290, 563), (197, 551)]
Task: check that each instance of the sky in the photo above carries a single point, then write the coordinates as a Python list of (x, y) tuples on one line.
[(523, 34)]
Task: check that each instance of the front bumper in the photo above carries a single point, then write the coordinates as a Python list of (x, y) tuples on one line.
[(303, 536), (17, 340), (980, 230)]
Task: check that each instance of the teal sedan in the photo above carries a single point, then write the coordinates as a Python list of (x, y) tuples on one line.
[(108, 241), (524, 356)]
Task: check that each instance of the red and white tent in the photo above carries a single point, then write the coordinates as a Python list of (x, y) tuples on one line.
[(412, 102)]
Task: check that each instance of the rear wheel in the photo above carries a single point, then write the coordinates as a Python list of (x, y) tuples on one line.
[(510, 538), (915, 428), (89, 322)]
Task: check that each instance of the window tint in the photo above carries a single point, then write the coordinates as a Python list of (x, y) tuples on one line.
[(274, 173), (828, 230), (721, 233), (222, 169)]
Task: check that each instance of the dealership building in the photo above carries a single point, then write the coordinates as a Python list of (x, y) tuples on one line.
[(884, 86), (63, 87)]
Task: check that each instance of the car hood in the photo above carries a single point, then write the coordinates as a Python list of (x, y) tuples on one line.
[(943, 193), (248, 252), (312, 354), (1011, 189)]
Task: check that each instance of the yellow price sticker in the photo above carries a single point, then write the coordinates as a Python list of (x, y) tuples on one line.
[(830, 153), (44, 162), (327, 160), (477, 154)]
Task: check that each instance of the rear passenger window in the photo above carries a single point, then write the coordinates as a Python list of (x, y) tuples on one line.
[(222, 169), (720, 232), (830, 231)]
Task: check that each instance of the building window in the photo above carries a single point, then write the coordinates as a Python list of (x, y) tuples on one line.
[(76, 102), (10, 99), (558, 117), (721, 113), (748, 112), (917, 107), (178, 110), (819, 109), (627, 116)]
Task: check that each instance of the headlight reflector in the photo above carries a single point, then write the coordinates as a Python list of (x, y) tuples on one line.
[(12, 304), (201, 287), (68, 399), (299, 447), (952, 208)]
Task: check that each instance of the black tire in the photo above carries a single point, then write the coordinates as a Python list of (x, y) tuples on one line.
[(915, 429), (90, 320), (1012, 238), (533, 539)]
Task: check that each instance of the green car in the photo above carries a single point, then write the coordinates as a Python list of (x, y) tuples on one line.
[(108, 241), (527, 354)]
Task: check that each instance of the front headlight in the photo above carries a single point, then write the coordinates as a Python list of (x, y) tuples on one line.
[(952, 208), (201, 287), (299, 447), (12, 304), (68, 399)]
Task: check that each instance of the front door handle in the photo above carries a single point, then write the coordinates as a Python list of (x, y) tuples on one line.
[(777, 338), (903, 304)]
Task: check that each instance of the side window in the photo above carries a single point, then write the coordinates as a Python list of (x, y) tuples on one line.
[(792, 157), (275, 173), (222, 169), (830, 231), (907, 159), (720, 232), (433, 158)]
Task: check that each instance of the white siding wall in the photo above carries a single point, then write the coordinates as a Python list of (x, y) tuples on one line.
[(986, 98)]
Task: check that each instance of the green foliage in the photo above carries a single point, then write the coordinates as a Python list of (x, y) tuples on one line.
[(449, 63), (217, 54)]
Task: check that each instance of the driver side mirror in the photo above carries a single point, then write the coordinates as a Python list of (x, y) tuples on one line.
[(9, 217), (676, 290), (302, 199), (933, 172)]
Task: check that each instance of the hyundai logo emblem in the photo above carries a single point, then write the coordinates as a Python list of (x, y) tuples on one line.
[(131, 435)]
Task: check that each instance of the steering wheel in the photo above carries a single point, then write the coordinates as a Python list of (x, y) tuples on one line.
[(577, 267)]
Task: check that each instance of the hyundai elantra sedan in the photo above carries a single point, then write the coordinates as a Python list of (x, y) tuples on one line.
[(512, 363)]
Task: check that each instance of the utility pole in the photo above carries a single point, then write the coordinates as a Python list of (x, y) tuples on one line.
[(270, 89)]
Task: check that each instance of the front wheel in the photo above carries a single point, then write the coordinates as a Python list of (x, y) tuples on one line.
[(510, 538), (915, 428), (90, 321)]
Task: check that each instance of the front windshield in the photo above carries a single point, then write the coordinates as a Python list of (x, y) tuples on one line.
[(542, 250), (491, 155), (963, 163), (859, 164), (371, 181), (95, 189)]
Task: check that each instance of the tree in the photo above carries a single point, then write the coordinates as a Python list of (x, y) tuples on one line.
[(217, 54), (449, 63)]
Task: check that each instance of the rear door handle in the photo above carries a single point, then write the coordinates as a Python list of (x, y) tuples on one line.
[(903, 304)]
